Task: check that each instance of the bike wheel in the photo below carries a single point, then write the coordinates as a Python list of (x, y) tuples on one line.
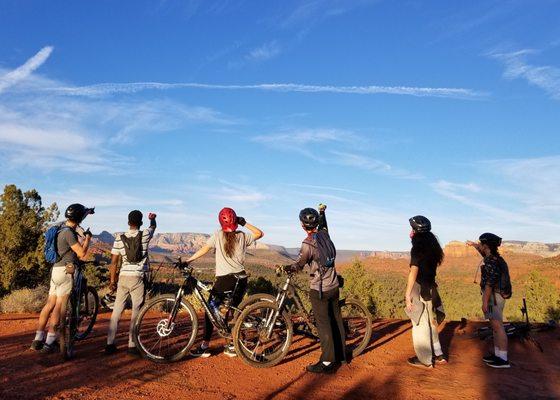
[(67, 330), (250, 300), (357, 325), (89, 307), (252, 343), (159, 339)]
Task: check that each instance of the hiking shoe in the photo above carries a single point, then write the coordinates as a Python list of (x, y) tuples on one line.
[(489, 358), (320, 368), (37, 345), (440, 359), (50, 348), (230, 351), (415, 362), (200, 352), (110, 349), (499, 363), (133, 351)]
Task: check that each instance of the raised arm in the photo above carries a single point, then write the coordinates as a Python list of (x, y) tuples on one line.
[(257, 233), (322, 218)]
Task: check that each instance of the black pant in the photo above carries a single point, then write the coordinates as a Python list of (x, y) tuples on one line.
[(223, 284), (329, 324)]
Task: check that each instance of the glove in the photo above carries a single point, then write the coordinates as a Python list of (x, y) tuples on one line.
[(288, 269), (152, 216), (87, 233), (322, 207), (241, 221)]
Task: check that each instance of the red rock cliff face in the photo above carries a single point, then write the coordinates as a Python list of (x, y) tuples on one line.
[(458, 249)]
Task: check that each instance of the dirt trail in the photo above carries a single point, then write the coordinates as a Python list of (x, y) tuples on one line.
[(380, 373)]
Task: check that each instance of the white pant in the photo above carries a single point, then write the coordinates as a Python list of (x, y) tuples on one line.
[(133, 285), (425, 335)]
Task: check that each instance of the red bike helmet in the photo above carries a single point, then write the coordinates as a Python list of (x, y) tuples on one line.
[(228, 219)]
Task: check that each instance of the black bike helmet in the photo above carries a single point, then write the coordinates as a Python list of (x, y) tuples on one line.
[(309, 217), (490, 239), (75, 213), (420, 224)]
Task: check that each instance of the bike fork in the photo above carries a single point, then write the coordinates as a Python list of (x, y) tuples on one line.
[(175, 308)]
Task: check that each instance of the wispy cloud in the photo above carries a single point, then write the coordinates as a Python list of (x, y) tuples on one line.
[(328, 188), (311, 12), (24, 71), (104, 89), (545, 77), (265, 52), (239, 194)]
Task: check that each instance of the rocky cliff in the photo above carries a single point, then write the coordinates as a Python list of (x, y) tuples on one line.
[(460, 249)]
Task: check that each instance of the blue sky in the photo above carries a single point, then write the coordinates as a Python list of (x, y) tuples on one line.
[(380, 109)]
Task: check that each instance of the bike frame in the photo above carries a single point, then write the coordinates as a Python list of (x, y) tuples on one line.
[(197, 289)]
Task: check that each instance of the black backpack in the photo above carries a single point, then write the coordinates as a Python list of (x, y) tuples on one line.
[(133, 248), (504, 284), (327, 256)]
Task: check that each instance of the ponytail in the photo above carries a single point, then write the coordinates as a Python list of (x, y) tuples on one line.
[(230, 241)]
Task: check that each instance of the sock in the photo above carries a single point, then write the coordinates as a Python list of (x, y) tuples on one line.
[(326, 363), (502, 354), (51, 337), (39, 335), (496, 350), (437, 349)]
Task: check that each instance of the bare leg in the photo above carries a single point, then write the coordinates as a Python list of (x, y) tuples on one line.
[(58, 310), (45, 313)]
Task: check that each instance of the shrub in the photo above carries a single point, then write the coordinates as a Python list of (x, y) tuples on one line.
[(24, 300), (543, 298)]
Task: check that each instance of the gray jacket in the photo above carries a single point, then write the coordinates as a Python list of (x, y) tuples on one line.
[(309, 255)]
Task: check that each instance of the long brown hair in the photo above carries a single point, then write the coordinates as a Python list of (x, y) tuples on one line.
[(230, 241)]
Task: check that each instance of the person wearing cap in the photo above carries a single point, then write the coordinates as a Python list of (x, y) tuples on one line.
[(131, 248), (423, 304), (231, 246), (495, 286)]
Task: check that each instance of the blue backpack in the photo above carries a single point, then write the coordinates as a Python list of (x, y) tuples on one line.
[(51, 235)]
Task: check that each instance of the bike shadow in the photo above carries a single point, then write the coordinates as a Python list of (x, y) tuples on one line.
[(385, 331)]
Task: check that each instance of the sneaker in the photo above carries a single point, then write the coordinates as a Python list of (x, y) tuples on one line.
[(110, 349), (37, 345), (230, 351), (50, 348), (440, 359), (499, 363), (489, 358), (200, 352), (415, 362), (133, 351), (320, 368)]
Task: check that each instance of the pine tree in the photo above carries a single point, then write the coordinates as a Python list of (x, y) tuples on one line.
[(23, 220)]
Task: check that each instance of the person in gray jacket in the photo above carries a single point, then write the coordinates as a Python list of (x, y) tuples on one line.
[(318, 251)]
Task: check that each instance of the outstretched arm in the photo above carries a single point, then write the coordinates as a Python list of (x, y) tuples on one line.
[(322, 218), (201, 252), (303, 259)]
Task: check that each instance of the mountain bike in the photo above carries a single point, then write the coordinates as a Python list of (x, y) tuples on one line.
[(264, 329), (80, 314), (167, 325)]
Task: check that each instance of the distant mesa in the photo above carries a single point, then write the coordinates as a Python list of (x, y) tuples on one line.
[(188, 243), (460, 249)]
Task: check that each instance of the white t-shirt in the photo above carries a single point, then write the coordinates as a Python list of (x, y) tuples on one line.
[(133, 269), (230, 265)]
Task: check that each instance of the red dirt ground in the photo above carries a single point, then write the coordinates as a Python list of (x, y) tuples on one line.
[(381, 372)]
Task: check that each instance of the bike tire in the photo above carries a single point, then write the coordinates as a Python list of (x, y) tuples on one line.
[(67, 331), (250, 300), (92, 313), (164, 299), (273, 358), (360, 346)]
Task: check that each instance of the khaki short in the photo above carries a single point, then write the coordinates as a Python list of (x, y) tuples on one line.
[(496, 307), (61, 282)]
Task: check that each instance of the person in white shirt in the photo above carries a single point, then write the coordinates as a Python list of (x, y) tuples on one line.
[(132, 248)]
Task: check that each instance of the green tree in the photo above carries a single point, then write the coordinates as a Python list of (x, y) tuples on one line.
[(23, 220), (543, 298)]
